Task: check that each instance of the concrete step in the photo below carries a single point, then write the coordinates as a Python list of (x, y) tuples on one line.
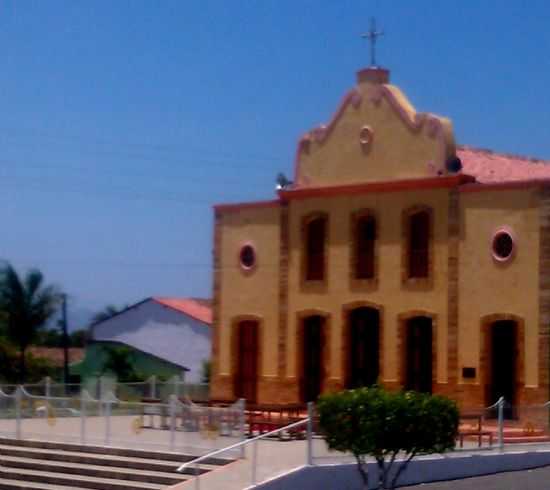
[(97, 459), (40, 477), (145, 476), (7, 484), (176, 457)]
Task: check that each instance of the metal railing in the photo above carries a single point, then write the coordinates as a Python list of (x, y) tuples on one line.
[(151, 387), (110, 421), (495, 420), (308, 422)]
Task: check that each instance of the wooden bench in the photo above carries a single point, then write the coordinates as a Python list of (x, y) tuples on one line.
[(266, 418), (477, 431)]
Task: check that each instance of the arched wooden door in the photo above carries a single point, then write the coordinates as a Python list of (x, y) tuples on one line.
[(246, 375), (418, 376), (503, 360), (313, 340), (363, 347)]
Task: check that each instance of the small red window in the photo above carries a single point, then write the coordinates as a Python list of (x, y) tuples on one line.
[(247, 257)]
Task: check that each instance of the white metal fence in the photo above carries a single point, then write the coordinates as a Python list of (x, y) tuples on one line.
[(176, 424), (498, 428), (98, 387)]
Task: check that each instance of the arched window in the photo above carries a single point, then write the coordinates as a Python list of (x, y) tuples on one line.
[(365, 239), (315, 249), (419, 244)]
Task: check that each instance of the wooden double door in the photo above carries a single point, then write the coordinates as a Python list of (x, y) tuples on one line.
[(312, 353), (503, 354), (363, 347), (246, 372), (418, 355)]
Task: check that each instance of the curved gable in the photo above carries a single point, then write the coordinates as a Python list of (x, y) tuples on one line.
[(375, 135)]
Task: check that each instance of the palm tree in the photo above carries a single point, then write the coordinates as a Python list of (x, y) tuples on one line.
[(27, 304)]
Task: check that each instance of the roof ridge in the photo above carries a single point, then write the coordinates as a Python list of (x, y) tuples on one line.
[(515, 156), (193, 308)]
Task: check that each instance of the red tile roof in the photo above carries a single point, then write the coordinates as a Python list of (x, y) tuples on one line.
[(55, 354), (489, 167), (198, 309)]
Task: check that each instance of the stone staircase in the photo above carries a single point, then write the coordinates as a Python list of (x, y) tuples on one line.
[(41, 465)]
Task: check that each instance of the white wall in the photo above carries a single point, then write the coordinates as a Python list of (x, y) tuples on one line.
[(162, 332)]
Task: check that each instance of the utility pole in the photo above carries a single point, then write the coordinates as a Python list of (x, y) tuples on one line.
[(65, 340)]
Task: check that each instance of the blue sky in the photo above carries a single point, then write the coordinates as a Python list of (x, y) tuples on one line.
[(121, 123)]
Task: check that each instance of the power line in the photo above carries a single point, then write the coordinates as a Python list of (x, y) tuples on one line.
[(115, 193), (155, 148), (122, 263)]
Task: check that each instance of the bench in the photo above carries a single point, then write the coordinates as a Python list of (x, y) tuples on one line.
[(261, 419), (477, 431)]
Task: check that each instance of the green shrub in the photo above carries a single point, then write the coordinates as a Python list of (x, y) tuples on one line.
[(381, 424)]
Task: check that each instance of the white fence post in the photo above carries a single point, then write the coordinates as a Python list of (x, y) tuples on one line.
[(254, 462), (107, 422), (501, 423), (242, 421), (310, 433), (83, 417), (18, 396), (173, 401), (48, 386), (197, 478), (99, 389)]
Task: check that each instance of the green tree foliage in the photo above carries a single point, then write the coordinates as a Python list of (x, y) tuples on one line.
[(36, 368), (381, 424), (107, 312), (79, 338), (53, 337), (27, 304), (119, 361), (49, 337)]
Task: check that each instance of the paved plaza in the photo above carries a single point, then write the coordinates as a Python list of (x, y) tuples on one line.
[(274, 457)]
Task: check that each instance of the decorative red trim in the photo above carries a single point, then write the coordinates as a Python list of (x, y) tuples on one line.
[(322, 132), (416, 120), (245, 205), (503, 186), (387, 186)]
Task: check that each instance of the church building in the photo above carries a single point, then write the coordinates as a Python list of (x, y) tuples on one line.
[(394, 257)]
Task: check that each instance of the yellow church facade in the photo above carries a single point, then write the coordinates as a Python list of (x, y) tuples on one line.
[(393, 257)]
